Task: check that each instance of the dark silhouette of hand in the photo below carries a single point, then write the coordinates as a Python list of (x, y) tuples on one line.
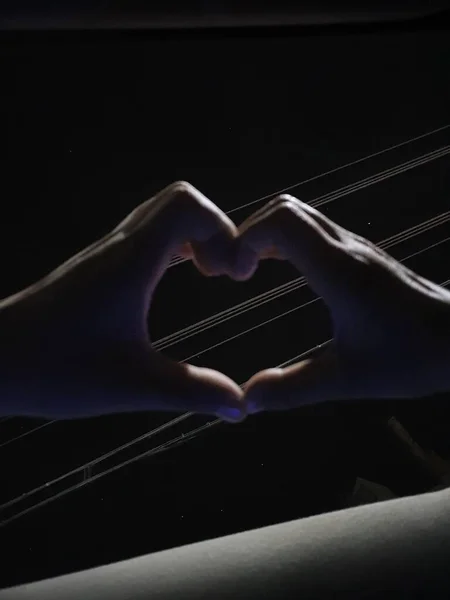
[(75, 344), (391, 326)]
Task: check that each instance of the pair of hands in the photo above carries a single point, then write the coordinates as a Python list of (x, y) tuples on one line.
[(75, 344)]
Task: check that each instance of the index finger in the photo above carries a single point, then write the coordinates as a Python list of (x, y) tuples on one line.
[(178, 217), (289, 229)]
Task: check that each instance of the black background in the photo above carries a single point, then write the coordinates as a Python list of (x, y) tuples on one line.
[(93, 124), (139, 14)]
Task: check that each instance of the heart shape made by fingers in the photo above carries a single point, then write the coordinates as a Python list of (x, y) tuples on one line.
[(76, 343)]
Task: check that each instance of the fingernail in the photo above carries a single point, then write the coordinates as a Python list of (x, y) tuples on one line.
[(229, 413)]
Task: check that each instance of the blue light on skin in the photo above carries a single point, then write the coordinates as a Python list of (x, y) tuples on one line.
[(229, 413), (253, 407)]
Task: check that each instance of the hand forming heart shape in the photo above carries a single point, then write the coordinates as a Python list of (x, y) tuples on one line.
[(75, 344)]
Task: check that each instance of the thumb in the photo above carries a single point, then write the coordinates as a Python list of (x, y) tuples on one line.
[(310, 381), (156, 383)]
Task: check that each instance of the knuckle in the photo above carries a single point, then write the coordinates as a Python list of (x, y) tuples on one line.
[(282, 198), (181, 187), (284, 207), (173, 202), (181, 195)]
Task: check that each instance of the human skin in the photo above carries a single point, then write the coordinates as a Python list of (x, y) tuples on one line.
[(75, 344), (391, 327)]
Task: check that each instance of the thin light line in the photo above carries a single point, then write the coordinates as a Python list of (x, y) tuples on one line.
[(161, 343), (406, 168), (288, 312), (327, 198), (175, 420), (340, 168), (241, 333), (356, 186), (226, 314), (386, 173), (22, 435), (162, 447), (428, 248), (99, 459), (282, 290)]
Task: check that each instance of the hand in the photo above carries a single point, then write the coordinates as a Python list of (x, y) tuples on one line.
[(391, 326), (76, 344)]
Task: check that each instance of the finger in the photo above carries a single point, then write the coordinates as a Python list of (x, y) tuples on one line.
[(185, 251), (271, 252), (291, 230), (158, 384), (176, 216), (116, 276), (310, 381)]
